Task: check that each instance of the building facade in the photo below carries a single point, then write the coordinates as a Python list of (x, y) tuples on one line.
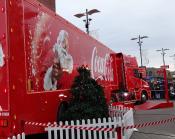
[(157, 72)]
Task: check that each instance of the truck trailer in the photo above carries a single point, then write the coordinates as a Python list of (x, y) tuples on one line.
[(39, 54)]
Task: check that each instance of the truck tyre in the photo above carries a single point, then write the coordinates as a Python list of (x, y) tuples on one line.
[(144, 97), (61, 109)]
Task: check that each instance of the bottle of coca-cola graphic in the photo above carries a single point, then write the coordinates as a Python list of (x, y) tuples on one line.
[(1, 56)]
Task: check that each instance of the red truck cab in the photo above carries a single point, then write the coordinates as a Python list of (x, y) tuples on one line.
[(129, 77)]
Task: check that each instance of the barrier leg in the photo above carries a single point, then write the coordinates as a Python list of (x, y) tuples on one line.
[(119, 132)]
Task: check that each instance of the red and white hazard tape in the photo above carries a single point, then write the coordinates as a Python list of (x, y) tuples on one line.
[(55, 125), (87, 128), (151, 123), (40, 124)]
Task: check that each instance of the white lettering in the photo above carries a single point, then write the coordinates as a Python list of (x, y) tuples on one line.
[(5, 114), (101, 66)]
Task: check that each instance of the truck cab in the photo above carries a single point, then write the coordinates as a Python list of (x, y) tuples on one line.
[(130, 79)]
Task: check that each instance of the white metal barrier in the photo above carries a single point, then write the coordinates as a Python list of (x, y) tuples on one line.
[(127, 117), (92, 133), (128, 120), (19, 136), (118, 111)]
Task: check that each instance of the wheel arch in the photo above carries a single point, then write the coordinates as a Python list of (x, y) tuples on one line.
[(60, 109)]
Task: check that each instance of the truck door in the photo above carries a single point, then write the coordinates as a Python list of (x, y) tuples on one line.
[(137, 78)]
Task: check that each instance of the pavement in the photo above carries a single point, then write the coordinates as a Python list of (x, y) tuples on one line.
[(164, 131)]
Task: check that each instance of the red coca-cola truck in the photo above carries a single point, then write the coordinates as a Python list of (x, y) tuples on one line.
[(39, 54)]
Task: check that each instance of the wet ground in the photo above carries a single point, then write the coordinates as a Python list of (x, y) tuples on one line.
[(164, 131)]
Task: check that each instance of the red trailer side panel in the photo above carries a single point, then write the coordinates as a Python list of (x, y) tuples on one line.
[(4, 72), (50, 39), (4, 86)]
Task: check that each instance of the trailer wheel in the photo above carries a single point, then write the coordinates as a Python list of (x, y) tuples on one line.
[(61, 111), (144, 97)]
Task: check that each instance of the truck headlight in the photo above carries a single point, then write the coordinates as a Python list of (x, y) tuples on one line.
[(125, 94)]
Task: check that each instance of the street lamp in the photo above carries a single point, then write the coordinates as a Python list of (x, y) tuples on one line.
[(87, 20), (140, 45), (163, 54), (164, 71)]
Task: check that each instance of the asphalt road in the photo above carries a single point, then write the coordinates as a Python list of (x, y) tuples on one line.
[(164, 131)]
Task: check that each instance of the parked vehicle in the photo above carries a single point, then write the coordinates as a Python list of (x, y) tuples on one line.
[(158, 88), (171, 88), (39, 55)]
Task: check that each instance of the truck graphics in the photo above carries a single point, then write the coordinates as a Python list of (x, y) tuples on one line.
[(39, 55), (101, 66)]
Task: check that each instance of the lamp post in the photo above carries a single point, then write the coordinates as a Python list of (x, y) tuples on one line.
[(87, 20), (163, 54), (164, 71), (140, 46)]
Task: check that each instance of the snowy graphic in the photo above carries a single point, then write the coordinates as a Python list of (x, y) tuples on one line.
[(36, 52), (48, 56), (1, 56), (39, 39), (63, 62)]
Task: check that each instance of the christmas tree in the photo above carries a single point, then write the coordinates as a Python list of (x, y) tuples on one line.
[(88, 99)]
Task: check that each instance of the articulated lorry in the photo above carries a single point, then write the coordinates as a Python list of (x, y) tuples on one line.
[(39, 54)]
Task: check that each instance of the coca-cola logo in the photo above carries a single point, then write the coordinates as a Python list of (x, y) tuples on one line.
[(101, 67)]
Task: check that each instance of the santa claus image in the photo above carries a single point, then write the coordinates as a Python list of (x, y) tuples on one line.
[(63, 62)]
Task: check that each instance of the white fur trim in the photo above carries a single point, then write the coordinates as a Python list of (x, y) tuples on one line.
[(48, 81)]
